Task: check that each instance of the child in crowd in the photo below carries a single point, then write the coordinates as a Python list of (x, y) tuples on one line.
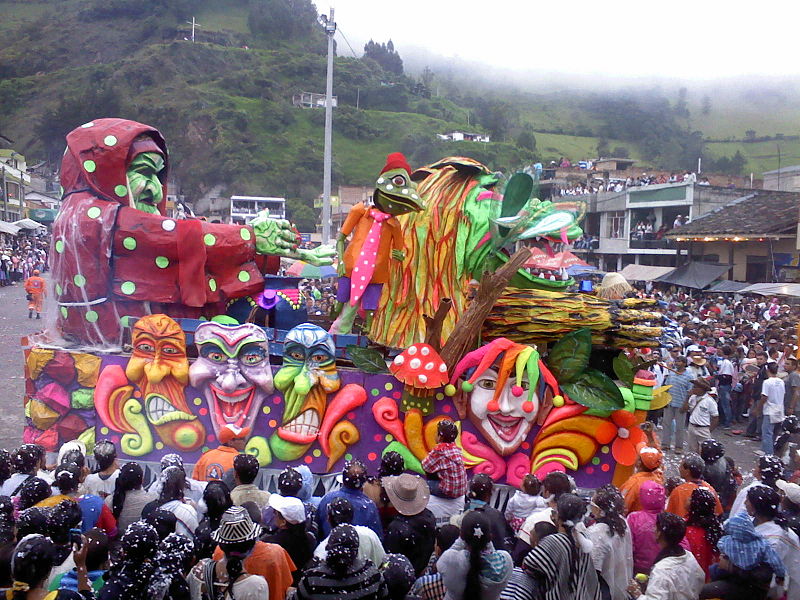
[(444, 465), (524, 502)]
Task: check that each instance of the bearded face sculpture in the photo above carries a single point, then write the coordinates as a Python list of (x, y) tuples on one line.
[(233, 372), (307, 377), (159, 367)]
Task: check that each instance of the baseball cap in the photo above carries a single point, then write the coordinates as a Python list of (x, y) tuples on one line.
[(290, 508), (790, 490)]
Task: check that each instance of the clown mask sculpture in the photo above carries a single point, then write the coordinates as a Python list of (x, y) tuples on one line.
[(307, 377), (233, 372), (160, 369), (503, 403)]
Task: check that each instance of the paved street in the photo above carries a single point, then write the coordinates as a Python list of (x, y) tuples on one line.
[(14, 324)]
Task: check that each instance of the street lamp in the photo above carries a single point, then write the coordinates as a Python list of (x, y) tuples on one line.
[(329, 25)]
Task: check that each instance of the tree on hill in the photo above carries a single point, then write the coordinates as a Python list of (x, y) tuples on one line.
[(527, 140), (282, 19), (706, 108), (301, 214), (385, 55)]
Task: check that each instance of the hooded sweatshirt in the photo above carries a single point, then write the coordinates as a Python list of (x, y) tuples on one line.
[(642, 524), (110, 260)]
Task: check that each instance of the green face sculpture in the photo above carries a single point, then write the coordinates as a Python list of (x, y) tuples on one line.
[(143, 182), (396, 194)]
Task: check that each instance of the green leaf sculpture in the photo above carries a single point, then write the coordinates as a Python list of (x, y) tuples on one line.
[(368, 360), (515, 196), (595, 390), (623, 369), (569, 357)]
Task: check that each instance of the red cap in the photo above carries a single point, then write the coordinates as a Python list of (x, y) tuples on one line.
[(396, 160), (231, 432)]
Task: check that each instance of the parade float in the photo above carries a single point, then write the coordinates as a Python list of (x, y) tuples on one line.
[(168, 329)]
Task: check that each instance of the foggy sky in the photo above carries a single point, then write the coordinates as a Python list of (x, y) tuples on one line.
[(697, 39)]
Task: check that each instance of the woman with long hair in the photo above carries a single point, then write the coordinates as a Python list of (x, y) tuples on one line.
[(128, 499), (675, 573), (562, 563), (171, 498), (216, 500), (342, 572), (130, 577), (33, 491), (226, 579), (612, 548), (31, 562), (703, 529), (472, 569)]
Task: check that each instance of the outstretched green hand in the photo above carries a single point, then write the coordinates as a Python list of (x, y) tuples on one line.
[(278, 237)]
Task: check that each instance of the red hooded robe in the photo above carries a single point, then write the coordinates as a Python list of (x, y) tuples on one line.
[(110, 260)]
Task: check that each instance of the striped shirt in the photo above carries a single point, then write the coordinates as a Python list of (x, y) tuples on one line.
[(563, 577), (362, 582)]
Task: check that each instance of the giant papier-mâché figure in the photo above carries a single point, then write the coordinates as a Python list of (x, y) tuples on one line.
[(116, 255), (232, 370), (150, 391), (376, 237), (308, 375)]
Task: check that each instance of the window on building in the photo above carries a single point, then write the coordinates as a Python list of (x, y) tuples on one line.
[(615, 224)]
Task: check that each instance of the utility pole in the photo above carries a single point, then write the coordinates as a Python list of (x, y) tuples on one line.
[(778, 146), (194, 24), (330, 30), (5, 193)]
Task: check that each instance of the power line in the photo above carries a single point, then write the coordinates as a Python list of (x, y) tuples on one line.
[(346, 42)]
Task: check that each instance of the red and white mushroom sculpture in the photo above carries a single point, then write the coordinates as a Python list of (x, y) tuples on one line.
[(420, 368)]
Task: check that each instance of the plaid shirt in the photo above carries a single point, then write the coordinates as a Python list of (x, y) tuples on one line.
[(447, 462), (429, 587)]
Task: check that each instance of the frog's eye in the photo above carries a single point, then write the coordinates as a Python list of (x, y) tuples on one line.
[(399, 180)]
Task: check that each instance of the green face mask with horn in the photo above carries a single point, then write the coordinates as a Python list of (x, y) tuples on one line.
[(144, 186)]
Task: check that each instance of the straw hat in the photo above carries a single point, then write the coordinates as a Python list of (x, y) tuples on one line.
[(236, 526), (613, 287)]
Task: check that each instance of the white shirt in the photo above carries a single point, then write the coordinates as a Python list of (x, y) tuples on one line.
[(99, 486), (725, 367), (701, 410), (787, 547), (774, 390), (738, 503), (612, 557), (369, 546), (675, 578)]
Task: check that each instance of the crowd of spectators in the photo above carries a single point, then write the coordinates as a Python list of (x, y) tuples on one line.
[(21, 256)]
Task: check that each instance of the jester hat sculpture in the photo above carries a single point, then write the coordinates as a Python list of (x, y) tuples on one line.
[(233, 372)]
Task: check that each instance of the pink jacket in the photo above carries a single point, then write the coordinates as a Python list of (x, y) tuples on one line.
[(642, 524)]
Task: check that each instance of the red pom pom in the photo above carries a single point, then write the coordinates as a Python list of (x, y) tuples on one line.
[(527, 406), (517, 390), (493, 406)]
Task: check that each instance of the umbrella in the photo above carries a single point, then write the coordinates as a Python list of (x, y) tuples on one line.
[(28, 224), (309, 271)]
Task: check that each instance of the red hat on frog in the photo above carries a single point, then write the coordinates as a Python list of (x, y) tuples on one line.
[(396, 160)]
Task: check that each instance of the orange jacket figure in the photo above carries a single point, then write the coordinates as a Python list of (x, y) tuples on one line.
[(35, 286)]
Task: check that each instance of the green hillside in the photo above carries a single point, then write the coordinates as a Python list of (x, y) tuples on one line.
[(224, 103)]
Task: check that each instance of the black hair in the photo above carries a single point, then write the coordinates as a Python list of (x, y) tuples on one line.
[(255, 513), (480, 488), (772, 368), (246, 467), (217, 498), (173, 485), (531, 484), (105, 453), (770, 468), (476, 531), (130, 478), (6, 520), (610, 501), (290, 482), (6, 552), (392, 463), (672, 528), (542, 529), (31, 562), (33, 520), (447, 431), (701, 514), (446, 535), (340, 511), (557, 483), (766, 503), (97, 554), (67, 478), (5, 465), (694, 464), (234, 562), (163, 521), (33, 491), (25, 459)]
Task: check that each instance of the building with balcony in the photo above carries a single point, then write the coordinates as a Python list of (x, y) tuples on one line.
[(245, 208), (14, 179), (312, 100), (631, 226)]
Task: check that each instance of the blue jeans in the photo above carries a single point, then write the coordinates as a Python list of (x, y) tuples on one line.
[(724, 395), (767, 434)]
